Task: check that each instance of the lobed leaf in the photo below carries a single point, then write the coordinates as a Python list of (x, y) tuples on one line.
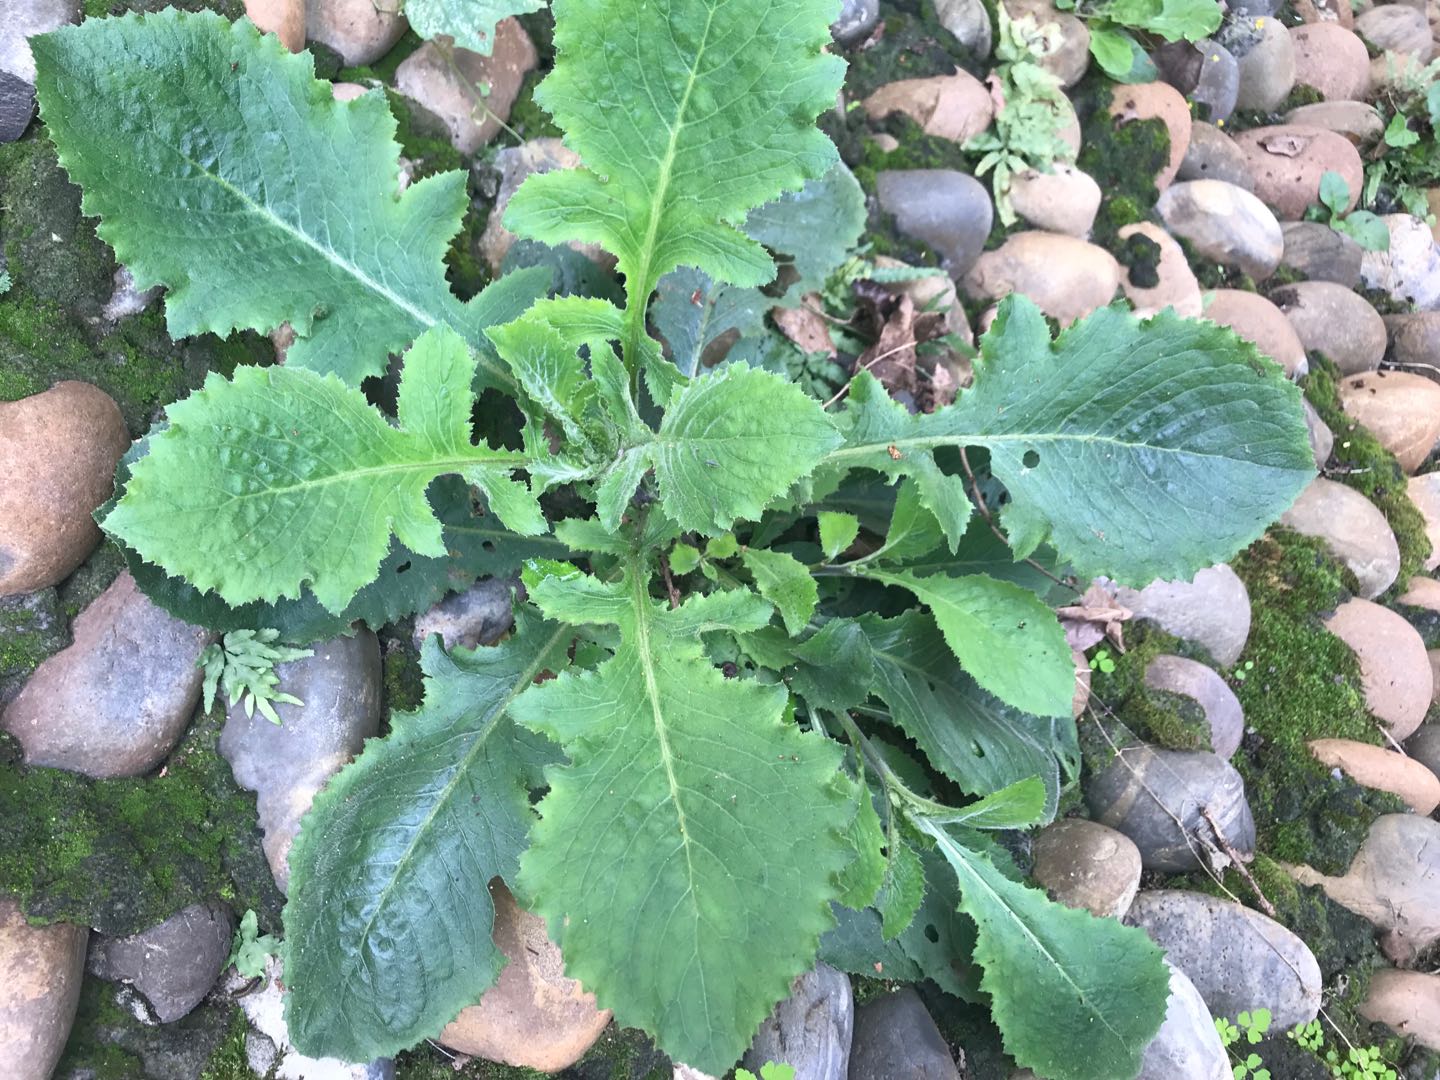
[(284, 477), (388, 924), (1138, 450), (667, 813), (221, 168), (1075, 997)]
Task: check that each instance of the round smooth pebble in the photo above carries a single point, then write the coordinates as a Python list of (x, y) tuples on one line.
[(1156, 101), (1154, 282), (1397, 28), (810, 1030), (1320, 253), (1069, 57), (968, 21), (1322, 439), (1401, 409), (1064, 200), (855, 21), (1415, 338), (25, 18), (1263, 324), (41, 968), (1424, 492), (1204, 686), (1333, 320), (1187, 1044), (1205, 72), (1407, 1002), (1155, 797), (956, 107), (481, 615), (1354, 530), (1233, 955), (58, 452), (1424, 745), (1394, 668), (1267, 69), (1381, 770), (361, 31), (1356, 120), (117, 700), (1224, 223), (1410, 269), (895, 1037), (948, 211), (1288, 160), (283, 18), (1083, 864), (1213, 155), (1331, 59), (534, 1016), (1067, 278), (1211, 610)]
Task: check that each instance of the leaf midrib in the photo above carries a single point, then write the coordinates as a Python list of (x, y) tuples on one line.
[(437, 466), (932, 442)]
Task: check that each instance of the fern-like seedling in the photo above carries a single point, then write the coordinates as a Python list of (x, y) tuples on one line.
[(242, 663)]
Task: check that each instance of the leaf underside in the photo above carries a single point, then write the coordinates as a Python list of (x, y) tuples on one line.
[(471, 23), (668, 812), (221, 168), (387, 928)]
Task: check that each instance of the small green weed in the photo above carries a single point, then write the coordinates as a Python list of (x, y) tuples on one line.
[(251, 948), (244, 662)]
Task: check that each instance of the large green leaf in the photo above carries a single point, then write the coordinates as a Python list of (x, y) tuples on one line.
[(965, 733), (222, 169), (387, 929), (1076, 997), (285, 477), (687, 854), (1138, 450), (1004, 636), (687, 114), (471, 23)]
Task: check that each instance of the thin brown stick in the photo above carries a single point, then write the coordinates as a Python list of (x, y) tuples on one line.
[(990, 520), (868, 365), (1235, 860), (670, 588)]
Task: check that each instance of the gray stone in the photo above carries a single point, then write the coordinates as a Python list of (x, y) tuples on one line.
[(1424, 747), (1205, 72), (1187, 1045), (1410, 270), (1357, 121), (1083, 864), (287, 764), (1415, 339), (1352, 528), (1160, 799), (948, 211), (1322, 439), (1211, 610), (1237, 958), (1201, 684), (361, 31), (895, 1039), (1397, 28), (24, 18), (1225, 223), (1321, 253), (481, 615), (1267, 70), (122, 1032), (173, 964), (17, 105), (117, 700), (857, 18), (1213, 155), (1261, 9), (1333, 320), (969, 22), (40, 972), (810, 1029)]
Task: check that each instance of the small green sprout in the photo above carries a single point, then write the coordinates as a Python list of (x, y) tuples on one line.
[(251, 949), (244, 662), (1241, 674), (1102, 662)]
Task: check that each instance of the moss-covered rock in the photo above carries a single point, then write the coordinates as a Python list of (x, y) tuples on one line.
[(1123, 159), (1152, 716), (1365, 465)]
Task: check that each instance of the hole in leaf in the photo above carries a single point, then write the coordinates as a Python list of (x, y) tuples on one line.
[(932, 935), (1031, 459), (402, 568)]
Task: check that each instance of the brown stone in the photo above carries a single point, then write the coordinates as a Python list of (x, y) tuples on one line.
[(1259, 321), (40, 972), (1397, 28), (1156, 101), (1424, 492), (1400, 409), (1356, 120), (1381, 770), (957, 106), (515, 164), (1064, 200), (1288, 160), (1173, 284), (1354, 530), (1069, 54), (1083, 864), (1423, 593), (1415, 339), (1407, 1002), (361, 31), (58, 452), (1334, 320), (1394, 668), (1331, 59), (283, 18), (533, 1017), (1066, 277)]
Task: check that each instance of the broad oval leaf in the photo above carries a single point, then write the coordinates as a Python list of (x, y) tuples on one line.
[(284, 477), (1139, 450), (387, 929), (686, 856), (1075, 997), (222, 169)]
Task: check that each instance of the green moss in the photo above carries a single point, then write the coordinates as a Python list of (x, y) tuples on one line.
[(1304, 685), (619, 1054), (528, 119), (1168, 720), (1123, 158), (124, 854), (404, 685), (1363, 464), (1302, 94), (229, 1062), (913, 45), (1213, 275)]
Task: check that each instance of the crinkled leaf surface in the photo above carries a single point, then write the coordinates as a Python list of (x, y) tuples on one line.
[(1004, 636), (1138, 450), (222, 169), (284, 477), (470, 22), (693, 311), (687, 114), (968, 735), (1076, 997), (687, 854), (387, 929), (816, 226)]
